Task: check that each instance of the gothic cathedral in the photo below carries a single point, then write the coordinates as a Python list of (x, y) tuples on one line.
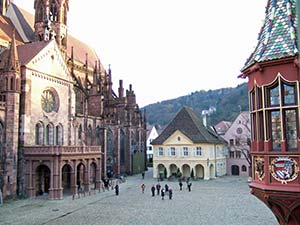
[(62, 126)]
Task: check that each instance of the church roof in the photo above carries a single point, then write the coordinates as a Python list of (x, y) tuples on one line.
[(24, 24), (25, 52), (190, 124), (278, 36), (6, 31)]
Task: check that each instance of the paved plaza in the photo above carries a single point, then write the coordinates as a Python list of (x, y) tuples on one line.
[(222, 201)]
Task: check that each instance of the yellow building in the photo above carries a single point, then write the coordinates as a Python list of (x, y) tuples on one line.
[(186, 146)]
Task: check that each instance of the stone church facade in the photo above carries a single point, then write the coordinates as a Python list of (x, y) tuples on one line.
[(62, 127)]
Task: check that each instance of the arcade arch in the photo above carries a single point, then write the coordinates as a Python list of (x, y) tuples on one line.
[(199, 171), (42, 181), (186, 170)]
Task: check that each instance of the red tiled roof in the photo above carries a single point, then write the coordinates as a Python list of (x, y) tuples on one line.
[(25, 52)]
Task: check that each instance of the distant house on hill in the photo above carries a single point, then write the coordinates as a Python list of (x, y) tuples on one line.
[(237, 137), (151, 135), (186, 146)]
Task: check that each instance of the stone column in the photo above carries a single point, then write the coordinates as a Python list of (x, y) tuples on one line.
[(74, 179), (98, 175), (29, 179), (87, 176), (52, 182)]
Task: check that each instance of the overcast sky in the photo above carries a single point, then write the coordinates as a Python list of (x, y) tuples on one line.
[(168, 48)]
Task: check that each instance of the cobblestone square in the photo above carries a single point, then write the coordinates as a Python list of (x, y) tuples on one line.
[(222, 201)]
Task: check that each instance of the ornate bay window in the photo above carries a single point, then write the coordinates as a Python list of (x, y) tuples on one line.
[(274, 114)]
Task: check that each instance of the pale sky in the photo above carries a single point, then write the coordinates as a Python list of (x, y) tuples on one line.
[(168, 48)]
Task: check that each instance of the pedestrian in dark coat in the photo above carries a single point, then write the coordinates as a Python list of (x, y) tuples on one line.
[(166, 188), (180, 185), (153, 190), (170, 193), (189, 186), (143, 175), (117, 189), (163, 194), (158, 188)]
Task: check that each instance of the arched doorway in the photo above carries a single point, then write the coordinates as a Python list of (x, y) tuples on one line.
[(93, 176), (186, 171), (80, 176), (199, 171), (235, 170), (66, 179), (161, 171), (42, 180), (173, 170), (211, 171)]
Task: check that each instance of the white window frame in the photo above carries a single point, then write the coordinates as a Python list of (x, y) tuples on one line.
[(160, 151), (185, 151), (198, 150), (172, 151)]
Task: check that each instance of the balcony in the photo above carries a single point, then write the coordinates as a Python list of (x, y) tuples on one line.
[(61, 150)]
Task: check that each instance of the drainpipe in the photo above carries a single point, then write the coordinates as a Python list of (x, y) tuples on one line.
[(215, 150)]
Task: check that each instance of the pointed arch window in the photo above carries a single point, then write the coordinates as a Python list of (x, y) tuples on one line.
[(39, 12), (133, 143), (1, 133), (80, 134), (122, 147), (53, 11), (98, 136), (89, 135), (59, 135), (49, 134), (110, 147), (39, 134)]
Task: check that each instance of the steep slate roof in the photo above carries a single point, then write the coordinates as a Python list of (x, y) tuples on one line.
[(6, 30), (25, 52), (278, 36), (190, 124)]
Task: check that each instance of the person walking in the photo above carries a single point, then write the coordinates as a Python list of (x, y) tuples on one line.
[(166, 188), (143, 175), (170, 193), (189, 186), (158, 188), (180, 185), (162, 194), (153, 190), (117, 189), (143, 187)]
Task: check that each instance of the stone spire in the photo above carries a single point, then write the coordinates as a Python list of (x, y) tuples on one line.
[(12, 63), (278, 36)]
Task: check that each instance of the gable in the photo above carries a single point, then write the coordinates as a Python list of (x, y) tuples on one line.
[(178, 138), (49, 60)]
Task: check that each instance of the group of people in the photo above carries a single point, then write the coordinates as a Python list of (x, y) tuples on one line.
[(162, 191), (166, 190)]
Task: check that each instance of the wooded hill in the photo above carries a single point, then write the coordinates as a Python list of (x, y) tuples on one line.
[(229, 102)]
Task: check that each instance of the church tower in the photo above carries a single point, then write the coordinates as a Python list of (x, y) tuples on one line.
[(51, 21), (3, 6), (11, 90)]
